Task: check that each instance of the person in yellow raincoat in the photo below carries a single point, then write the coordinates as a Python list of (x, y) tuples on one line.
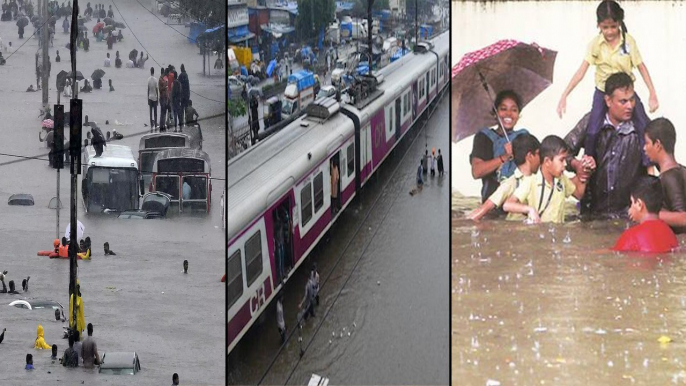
[(80, 319), (40, 341)]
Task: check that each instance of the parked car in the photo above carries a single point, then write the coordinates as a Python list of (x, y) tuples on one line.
[(120, 363), (326, 91), (36, 304)]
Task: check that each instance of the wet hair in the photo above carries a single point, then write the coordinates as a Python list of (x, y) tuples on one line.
[(108, 54), (551, 146), (11, 285), (54, 348), (89, 328), (152, 70), (190, 102), (662, 129), (29, 359), (649, 190), (508, 94), (71, 340), (618, 80), (522, 145), (57, 314), (610, 9), (175, 377), (77, 336), (64, 241)]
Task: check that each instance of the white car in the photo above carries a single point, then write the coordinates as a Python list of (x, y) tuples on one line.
[(326, 92), (236, 87), (35, 304)]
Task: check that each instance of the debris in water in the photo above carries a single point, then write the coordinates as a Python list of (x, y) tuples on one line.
[(492, 382), (664, 339), (567, 239)]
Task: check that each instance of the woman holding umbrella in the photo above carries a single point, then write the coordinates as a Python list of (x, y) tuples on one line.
[(491, 156)]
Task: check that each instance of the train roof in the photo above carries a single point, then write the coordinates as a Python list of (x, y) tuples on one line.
[(280, 160)]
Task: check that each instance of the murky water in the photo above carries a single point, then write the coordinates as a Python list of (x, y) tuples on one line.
[(138, 300), (567, 27), (537, 305), (390, 323)]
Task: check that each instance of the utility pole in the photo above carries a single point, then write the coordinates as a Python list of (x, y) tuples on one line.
[(75, 123), (45, 36), (370, 3)]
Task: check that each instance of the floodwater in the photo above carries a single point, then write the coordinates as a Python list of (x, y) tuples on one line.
[(390, 323), (541, 305), (567, 27), (138, 300)]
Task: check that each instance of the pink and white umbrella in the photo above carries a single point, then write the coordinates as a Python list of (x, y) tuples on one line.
[(527, 69), (48, 123)]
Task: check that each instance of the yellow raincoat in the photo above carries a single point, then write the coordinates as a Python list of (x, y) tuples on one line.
[(40, 341), (80, 319)]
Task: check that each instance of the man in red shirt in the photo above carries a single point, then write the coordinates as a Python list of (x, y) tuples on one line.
[(651, 235)]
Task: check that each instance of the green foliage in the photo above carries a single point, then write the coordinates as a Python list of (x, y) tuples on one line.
[(236, 107), (210, 12), (317, 13)]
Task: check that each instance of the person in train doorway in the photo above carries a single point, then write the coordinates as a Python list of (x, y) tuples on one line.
[(439, 160), (280, 321), (278, 246), (334, 187), (287, 228), (307, 304)]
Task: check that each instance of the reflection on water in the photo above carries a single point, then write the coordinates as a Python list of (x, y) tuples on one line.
[(538, 305)]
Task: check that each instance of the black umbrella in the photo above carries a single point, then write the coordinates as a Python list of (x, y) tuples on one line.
[(119, 24), (82, 28), (108, 21), (34, 18), (108, 28), (22, 22), (81, 20), (133, 54), (62, 78), (98, 74)]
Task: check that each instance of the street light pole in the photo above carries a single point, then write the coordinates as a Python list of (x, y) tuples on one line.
[(44, 41)]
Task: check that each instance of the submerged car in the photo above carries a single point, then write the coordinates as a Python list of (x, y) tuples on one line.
[(20, 199), (35, 304), (120, 363), (155, 205)]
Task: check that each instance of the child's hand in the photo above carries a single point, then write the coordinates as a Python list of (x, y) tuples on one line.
[(562, 107), (508, 150), (653, 104), (533, 217)]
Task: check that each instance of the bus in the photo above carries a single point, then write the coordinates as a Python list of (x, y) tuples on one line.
[(153, 143), (109, 182), (178, 171)]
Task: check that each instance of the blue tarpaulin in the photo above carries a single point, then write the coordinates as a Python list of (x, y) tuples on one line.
[(196, 29), (398, 54), (303, 78), (244, 71), (271, 67)]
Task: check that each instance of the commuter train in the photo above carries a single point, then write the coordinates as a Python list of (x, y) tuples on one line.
[(280, 189)]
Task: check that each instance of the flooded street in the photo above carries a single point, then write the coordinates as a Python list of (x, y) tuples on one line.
[(138, 300), (383, 316), (551, 310)]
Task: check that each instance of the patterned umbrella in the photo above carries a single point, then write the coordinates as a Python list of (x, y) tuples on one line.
[(526, 69), (48, 123)]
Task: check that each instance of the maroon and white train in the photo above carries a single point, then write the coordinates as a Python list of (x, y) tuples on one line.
[(290, 171)]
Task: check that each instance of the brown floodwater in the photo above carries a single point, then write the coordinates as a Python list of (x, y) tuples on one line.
[(541, 305)]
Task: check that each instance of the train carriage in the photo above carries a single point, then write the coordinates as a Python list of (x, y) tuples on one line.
[(279, 201)]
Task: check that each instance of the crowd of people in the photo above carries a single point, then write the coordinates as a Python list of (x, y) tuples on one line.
[(624, 153), (172, 92)]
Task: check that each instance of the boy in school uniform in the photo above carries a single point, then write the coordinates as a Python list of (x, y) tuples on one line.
[(525, 149), (651, 235), (542, 197), (660, 139)]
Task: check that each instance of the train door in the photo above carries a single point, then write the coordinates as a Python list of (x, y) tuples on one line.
[(427, 86), (334, 169), (283, 238), (397, 119)]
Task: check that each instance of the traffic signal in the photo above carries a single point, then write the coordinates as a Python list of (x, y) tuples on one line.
[(75, 141), (57, 153)]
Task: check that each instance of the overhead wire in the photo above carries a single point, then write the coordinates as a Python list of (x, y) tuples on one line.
[(28, 40)]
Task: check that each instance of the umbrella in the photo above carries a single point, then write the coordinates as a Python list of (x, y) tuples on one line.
[(108, 28), (81, 20), (22, 22), (48, 123), (119, 24), (108, 21), (34, 18), (97, 27), (98, 74), (62, 78), (526, 69), (82, 28), (98, 140), (79, 230), (133, 54), (255, 92)]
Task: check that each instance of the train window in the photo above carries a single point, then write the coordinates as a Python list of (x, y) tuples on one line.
[(253, 258), (306, 203), (351, 159), (318, 191), (235, 278)]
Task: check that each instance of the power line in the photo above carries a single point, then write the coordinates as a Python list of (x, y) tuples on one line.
[(148, 52), (22, 158), (27, 40)]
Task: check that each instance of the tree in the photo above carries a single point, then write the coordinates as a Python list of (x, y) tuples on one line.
[(313, 16), (235, 108), (360, 7), (210, 12)]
